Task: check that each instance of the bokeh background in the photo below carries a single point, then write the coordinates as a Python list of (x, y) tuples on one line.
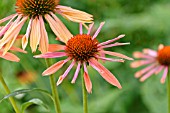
[(146, 25)]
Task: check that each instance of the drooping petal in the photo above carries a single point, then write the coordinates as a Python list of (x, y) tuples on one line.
[(143, 71), (76, 73), (51, 55), (13, 31), (8, 17), (164, 75), (74, 15), (44, 37), (98, 30), (159, 69), (106, 74), (26, 36), (55, 47), (116, 54), (61, 78), (35, 34), (55, 67), (9, 44), (58, 28), (148, 74), (87, 80), (17, 49), (112, 40), (9, 56)]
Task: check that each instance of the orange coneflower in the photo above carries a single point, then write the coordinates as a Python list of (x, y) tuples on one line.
[(37, 11), (156, 61), (84, 49)]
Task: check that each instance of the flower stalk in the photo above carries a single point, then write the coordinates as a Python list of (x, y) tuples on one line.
[(11, 99), (84, 92), (54, 90), (168, 91)]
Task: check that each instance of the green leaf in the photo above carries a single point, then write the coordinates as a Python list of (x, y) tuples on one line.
[(26, 91), (31, 102)]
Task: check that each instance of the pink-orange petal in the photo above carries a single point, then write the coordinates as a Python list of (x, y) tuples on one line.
[(17, 49), (105, 73), (87, 82), (54, 68), (55, 47), (9, 56)]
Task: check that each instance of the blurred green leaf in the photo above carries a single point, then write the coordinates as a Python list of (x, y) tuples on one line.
[(26, 91), (32, 102)]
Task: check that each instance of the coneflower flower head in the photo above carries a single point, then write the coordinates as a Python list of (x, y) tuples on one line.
[(157, 61), (83, 50), (37, 11)]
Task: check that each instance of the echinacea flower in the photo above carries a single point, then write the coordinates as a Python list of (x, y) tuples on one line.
[(83, 50), (157, 61), (38, 11)]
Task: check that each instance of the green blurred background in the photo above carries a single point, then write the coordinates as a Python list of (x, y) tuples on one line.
[(146, 25)]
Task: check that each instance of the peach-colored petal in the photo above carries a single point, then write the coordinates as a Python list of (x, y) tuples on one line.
[(55, 67), (26, 36), (56, 47), (9, 56), (60, 80), (51, 55), (74, 15), (106, 74), (58, 28), (17, 49), (12, 31), (44, 37), (35, 34), (87, 80), (116, 54), (9, 44)]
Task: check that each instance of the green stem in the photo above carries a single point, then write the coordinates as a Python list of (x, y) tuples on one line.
[(54, 90), (11, 99), (85, 107), (168, 90)]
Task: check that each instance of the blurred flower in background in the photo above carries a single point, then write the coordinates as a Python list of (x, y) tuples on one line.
[(157, 61), (37, 11), (25, 77), (83, 50)]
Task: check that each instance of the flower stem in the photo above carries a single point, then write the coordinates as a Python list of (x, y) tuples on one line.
[(54, 89), (168, 90), (85, 107), (11, 99)]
